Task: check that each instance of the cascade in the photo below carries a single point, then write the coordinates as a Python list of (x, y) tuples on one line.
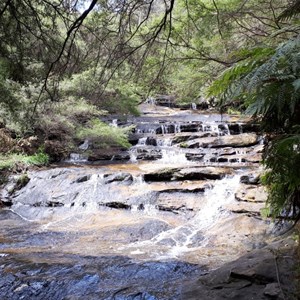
[(133, 155), (150, 100), (114, 123), (142, 141), (164, 142), (76, 158), (164, 129), (84, 145), (173, 156), (177, 128), (171, 202)]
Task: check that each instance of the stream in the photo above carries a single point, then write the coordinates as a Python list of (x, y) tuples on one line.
[(184, 200)]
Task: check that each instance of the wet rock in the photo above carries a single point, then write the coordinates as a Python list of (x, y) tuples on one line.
[(241, 140), (187, 136), (15, 183), (147, 153), (194, 156), (201, 173), (140, 231), (253, 209), (250, 127), (117, 205), (83, 179), (190, 127), (160, 175), (253, 276), (179, 201), (254, 158), (165, 100), (251, 193), (111, 154), (272, 290), (227, 151), (118, 177), (250, 179)]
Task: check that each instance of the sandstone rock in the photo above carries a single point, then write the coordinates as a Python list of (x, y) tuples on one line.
[(118, 177), (272, 290), (252, 209), (241, 140), (192, 173), (178, 201), (147, 153), (254, 158), (112, 154), (250, 178), (253, 276), (185, 136), (160, 175), (201, 173), (251, 193)]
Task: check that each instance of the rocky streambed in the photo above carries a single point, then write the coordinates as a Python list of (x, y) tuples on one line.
[(150, 223)]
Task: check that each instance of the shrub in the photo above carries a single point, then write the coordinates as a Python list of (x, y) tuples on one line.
[(104, 136)]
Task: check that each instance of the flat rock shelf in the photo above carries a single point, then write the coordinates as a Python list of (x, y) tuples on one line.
[(178, 216)]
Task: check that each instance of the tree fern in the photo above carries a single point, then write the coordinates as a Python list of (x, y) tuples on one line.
[(292, 11)]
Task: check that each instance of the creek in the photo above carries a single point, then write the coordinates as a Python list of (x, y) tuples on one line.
[(184, 200)]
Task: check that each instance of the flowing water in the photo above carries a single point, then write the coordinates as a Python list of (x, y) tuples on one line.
[(135, 229)]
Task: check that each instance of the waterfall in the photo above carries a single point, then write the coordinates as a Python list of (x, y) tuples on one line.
[(173, 156), (114, 123), (84, 145), (142, 141), (150, 100), (177, 128), (76, 158), (164, 129), (133, 155)]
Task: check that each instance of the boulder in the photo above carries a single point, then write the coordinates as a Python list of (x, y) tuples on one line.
[(252, 178), (252, 276)]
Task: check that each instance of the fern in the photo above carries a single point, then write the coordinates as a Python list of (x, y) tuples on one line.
[(292, 11)]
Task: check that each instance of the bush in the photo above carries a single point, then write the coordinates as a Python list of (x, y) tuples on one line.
[(105, 136), (10, 161)]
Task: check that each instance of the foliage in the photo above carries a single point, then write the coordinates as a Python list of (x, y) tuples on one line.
[(269, 89), (104, 135), (282, 160), (9, 161)]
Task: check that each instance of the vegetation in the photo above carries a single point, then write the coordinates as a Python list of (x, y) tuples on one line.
[(10, 161), (105, 135), (63, 64), (266, 85)]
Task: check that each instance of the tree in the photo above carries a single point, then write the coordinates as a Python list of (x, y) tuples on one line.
[(267, 84)]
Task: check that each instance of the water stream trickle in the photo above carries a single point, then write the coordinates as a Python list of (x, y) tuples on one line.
[(185, 238), (165, 206)]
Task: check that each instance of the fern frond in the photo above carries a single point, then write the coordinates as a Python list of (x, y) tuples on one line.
[(292, 11)]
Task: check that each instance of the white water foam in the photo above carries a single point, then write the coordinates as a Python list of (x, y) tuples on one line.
[(185, 236), (172, 156)]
